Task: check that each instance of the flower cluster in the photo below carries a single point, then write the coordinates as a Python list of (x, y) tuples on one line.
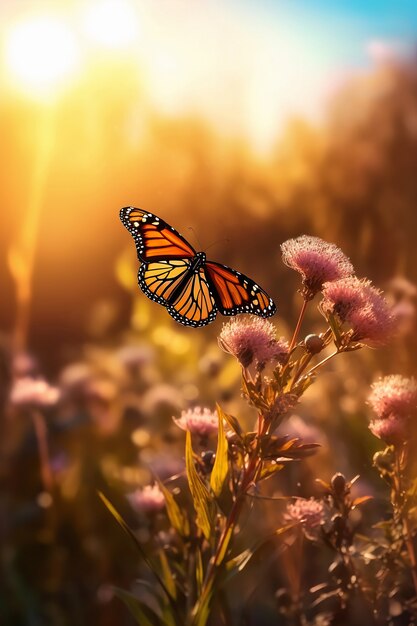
[(307, 512), (394, 401), (198, 421), (33, 392), (361, 305), (252, 339), (148, 500), (317, 261)]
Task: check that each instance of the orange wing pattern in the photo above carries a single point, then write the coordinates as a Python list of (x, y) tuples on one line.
[(159, 279), (195, 305), (175, 275), (236, 293), (154, 238)]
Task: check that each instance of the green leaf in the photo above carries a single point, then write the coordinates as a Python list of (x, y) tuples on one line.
[(137, 609), (135, 540), (202, 501), (199, 571), (234, 424), (177, 518), (220, 467), (167, 575)]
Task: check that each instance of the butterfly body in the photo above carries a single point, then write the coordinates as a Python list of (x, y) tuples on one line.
[(191, 288)]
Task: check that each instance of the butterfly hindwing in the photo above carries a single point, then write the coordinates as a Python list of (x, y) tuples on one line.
[(195, 305), (235, 293), (155, 239), (159, 279)]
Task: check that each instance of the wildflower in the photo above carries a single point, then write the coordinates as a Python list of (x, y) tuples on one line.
[(317, 261), (343, 296), (150, 499), (33, 392), (309, 513), (394, 400), (392, 430), (198, 421), (360, 304), (394, 396), (252, 339)]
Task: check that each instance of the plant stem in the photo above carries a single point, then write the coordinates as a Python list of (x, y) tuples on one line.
[(42, 441), (403, 517), (298, 326), (249, 475), (322, 362)]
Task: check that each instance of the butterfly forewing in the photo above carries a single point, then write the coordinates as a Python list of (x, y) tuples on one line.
[(154, 238), (236, 293)]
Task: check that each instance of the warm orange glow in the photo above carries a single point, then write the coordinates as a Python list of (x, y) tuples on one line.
[(40, 53), (111, 23)]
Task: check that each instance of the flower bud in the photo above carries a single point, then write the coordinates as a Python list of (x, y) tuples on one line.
[(384, 459), (339, 484), (313, 344)]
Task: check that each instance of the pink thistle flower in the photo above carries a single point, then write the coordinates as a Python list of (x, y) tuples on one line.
[(149, 500), (198, 421), (374, 323), (252, 339), (392, 430), (394, 400), (394, 396), (308, 513), (316, 260), (343, 296), (33, 392), (360, 304)]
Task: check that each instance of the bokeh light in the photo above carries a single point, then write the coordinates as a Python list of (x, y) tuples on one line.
[(111, 23), (40, 53)]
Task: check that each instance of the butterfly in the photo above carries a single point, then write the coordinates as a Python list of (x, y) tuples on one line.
[(191, 288)]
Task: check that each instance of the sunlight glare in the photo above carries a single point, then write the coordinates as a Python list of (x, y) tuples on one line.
[(40, 53), (111, 23)]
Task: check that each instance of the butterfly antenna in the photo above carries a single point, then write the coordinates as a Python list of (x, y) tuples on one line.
[(216, 242), (196, 238)]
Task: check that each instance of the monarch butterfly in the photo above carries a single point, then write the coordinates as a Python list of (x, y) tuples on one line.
[(191, 288)]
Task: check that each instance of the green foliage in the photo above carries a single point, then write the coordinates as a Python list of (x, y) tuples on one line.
[(220, 467), (202, 501)]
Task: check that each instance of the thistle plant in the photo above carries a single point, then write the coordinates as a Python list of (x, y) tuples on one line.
[(225, 478)]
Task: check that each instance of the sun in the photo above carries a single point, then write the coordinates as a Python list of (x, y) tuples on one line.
[(40, 53)]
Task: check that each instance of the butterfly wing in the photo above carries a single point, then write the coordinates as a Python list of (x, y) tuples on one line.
[(160, 279), (184, 292), (195, 304), (235, 293), (155, 239)]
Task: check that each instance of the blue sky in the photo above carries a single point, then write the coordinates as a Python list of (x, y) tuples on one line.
[(344, 25)]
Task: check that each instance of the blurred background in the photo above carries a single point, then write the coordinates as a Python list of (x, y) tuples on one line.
[(242, 124)]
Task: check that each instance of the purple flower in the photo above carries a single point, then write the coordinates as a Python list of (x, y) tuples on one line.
[(394, 400), (252, 339), (33, 392), (308, 513), (392, 430), (361, 305), (316, 260), (198, 421), (149, 500)]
